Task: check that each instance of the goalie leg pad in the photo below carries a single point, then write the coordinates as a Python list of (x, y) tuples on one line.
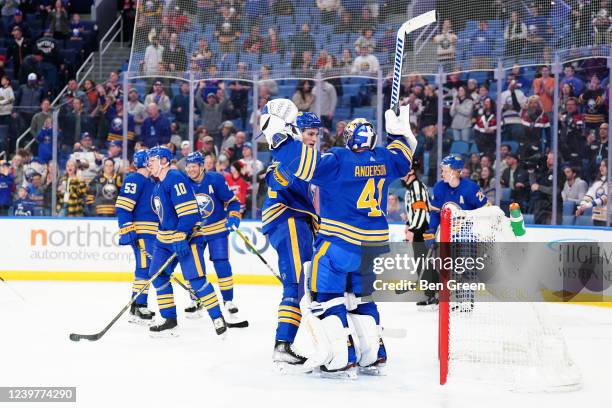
[(367, 338), (338, 337)]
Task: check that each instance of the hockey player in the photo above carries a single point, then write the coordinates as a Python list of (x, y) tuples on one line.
[(467, 195), (352, 185), (289, 220), (175, 205), (137, 228), (220, 210)]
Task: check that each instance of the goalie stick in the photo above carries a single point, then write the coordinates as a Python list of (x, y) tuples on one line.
[(409, 26), (189, 289), (256, 252)]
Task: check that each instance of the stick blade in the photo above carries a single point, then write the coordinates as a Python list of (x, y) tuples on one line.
[(420, 21), (78, 337)]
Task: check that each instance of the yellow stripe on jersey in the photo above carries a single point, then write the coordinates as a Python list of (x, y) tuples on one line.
[(145, 227), (196, 258), (308, 161), (213, 228), (189, 207), (402, 148), (235, 214), (126, 229), (143, 255), (295, 249), (315, 263), (168, 237), (125, 203), (343, 233), (273, 212), (292, 315)]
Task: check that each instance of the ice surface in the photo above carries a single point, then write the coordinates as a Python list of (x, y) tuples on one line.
[(127, 368)]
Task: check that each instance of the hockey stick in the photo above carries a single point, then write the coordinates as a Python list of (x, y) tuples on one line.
[(12, 290), (97, 336), (409, 26), (194, 296), (256, 252)]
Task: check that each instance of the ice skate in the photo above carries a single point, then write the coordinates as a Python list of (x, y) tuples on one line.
[(286, 360), (165, 330), (141, 315), (194, 310)]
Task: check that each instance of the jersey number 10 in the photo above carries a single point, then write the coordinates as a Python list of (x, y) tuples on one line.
[(368, 200)]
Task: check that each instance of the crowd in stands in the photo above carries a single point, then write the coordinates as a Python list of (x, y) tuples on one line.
[(247, 36)]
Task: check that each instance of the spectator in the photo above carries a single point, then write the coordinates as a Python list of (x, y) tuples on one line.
[(76, 24), (366, 21), (365, 63), (237, 184), (158, 96), (114, 153), (103, 104), (250, 164), (593, 102), (254, 40), (7, 98), (71, 192), (200, 134), (212, 111), (483, 93), (116, 131), (544, 87), (602, 24), (18, 22), (581, 14), (29, 97), (536, 124), (302, 41), (346, 62), (180, 108), (49, 47), (103, 190), (574, 187), (227, 33), (329, 100), (571, 133), (306, 69), (486, 127), (174, 57), (17, 166), (282, 7), (566, 93), (366, 40), (91, 95), (239, 93), (59, 21), (541, 180), (208, 146), (446, 41), (234, 153), (329, 10), (304, 97), (482, 42), (40, 193), (570, 78), (273, 44), (395, 212), (514, 99), (597, 197), (86, 157), (461, 112), (155, 129), (185, 149), (515, 36), (228, 135), (537, 31), (153, 57), (72, 92), (345, 24), (23, 205), (486, 182), (18, 49), (202, 57), (176, 20), (504, 151), (7, 184), (210, 162), (597, 151), (387, 43), (45, 141), (76, 123), (137, 110), (31, 65), (516, 179)]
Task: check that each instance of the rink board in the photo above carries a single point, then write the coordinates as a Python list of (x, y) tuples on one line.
[(87, 250)]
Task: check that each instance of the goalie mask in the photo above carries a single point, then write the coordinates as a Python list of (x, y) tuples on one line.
[(359, 134)]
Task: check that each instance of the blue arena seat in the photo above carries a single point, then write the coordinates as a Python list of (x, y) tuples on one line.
[(460, 147)]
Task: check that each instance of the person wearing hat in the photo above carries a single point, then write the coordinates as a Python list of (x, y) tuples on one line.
[(18, 21), (114, 153), (182, 155), (153, 55), (18, 49), (29, 96), (228, 135), (159, 97)]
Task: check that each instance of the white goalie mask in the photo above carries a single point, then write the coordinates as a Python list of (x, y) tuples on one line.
[(277, 121)]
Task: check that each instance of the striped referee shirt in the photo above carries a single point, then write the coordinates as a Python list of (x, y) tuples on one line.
[(417, 206)]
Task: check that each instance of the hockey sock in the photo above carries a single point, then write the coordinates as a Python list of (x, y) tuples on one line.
[(207, 296), (165, 296), (289, 314), (140, 279), (226, 279)]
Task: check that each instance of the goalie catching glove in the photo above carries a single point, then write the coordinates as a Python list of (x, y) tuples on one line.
[(397, 126)]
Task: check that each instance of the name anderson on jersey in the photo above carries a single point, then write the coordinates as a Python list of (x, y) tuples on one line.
[(371, 171)]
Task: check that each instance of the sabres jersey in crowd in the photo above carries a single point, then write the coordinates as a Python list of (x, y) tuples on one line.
[(133, 206), (215, 201), (115, 133), (176, 207), (351, 187), (467, 195), (287, 197)]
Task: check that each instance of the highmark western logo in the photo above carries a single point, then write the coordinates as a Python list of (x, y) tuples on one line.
[(80, 236)]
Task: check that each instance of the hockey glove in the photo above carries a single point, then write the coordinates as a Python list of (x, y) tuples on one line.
[(429, 238), (233, 221), (400, 126), (181, 248), (128, 235)]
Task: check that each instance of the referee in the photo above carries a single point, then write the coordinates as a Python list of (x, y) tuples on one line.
[(417, 209)]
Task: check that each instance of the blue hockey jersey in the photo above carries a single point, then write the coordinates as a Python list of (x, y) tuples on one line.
[(351, 187), (467, 195), (287, 197), (176, 207), (216, 202), (133, 206)]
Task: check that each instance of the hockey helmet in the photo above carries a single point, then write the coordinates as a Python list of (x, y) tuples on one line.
[(140, 159), (160, 152), (454, 161), (307, 120), (359, 133), (195, 158)]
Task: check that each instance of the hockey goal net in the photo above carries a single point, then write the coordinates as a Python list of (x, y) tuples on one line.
[(512, 344)]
